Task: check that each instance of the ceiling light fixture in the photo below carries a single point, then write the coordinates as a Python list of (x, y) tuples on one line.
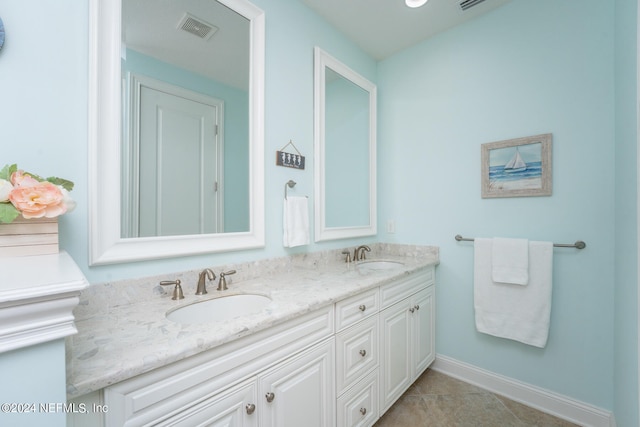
[(415, 3)]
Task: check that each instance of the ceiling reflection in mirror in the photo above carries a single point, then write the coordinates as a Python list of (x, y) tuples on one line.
[(185, 144)]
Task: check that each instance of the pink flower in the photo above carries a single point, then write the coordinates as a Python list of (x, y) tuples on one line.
[(19, 179), (42, 199)]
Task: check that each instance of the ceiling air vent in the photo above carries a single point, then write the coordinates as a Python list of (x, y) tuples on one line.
[(468, 4), (197, 26)]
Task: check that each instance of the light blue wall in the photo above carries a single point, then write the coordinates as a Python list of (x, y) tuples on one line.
[(626, 251), (34, 377), (524, 69), (346, 154)]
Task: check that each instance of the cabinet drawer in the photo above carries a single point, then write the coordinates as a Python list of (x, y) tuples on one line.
[(359, 406), (357, 352), (401, 289), (356, 308)]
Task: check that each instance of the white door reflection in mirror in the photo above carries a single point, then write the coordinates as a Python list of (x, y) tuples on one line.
[(345, 151), (176, 177)]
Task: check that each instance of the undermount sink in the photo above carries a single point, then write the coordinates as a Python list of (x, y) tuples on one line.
[(379, 265), (219, 309)]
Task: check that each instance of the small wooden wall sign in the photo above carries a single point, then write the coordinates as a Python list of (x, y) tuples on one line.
[(290, 160)]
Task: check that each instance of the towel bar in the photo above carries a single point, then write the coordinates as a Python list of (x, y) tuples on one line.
[(291, 183), (578, 244)]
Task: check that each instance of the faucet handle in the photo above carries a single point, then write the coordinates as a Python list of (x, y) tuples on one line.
[(177, 291), (222, 284), (348, 256)]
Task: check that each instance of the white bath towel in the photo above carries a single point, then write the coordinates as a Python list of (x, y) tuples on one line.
[(295, 222), (510, 260), (520, 313)]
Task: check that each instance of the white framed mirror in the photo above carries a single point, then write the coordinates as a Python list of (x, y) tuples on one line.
[(115, 177), (345, 150)]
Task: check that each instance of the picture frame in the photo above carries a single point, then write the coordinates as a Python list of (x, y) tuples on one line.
[(518, 167)]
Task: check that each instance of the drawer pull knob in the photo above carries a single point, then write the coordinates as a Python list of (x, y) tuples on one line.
[(363, 353), (270, 397), (250, 408), (362, 307), (363, 411)]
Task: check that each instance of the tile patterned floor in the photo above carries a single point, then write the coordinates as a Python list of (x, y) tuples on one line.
[(437, 400)]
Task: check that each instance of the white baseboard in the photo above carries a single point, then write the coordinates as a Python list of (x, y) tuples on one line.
[(544, 400)]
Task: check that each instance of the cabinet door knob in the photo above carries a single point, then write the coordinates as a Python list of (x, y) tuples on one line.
[(412, 309), (362, 307), (270, 397), (417, 307), (363, 411), (363, 353), (250, 408)]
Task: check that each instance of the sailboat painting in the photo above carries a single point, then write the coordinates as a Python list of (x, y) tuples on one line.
[(517, 167)]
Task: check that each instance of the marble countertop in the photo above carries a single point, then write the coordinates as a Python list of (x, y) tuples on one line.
[(123, 331)]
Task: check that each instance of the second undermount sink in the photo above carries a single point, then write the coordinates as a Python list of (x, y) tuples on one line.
[(376, 265), (219, 309)]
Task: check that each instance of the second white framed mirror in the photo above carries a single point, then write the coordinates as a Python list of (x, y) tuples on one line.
[(345, 150)]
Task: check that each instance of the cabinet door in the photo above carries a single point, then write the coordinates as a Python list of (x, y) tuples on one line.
[(396, 369), (423, 330), (235, 407), (300, 391)]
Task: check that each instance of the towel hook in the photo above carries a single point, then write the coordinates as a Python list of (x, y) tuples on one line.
[(291, 183)]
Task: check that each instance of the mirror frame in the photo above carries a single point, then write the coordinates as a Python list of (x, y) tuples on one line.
[(105, 130), (322, 61)]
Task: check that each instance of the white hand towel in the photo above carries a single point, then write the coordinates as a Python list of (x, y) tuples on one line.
[(510, 261), (295, 222), (520, 313)]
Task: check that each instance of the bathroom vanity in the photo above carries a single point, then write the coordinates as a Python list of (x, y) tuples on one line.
[(337, 345)]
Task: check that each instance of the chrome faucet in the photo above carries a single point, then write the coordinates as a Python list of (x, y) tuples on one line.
[(358, 253), (222, 284), (177, 291), (202, 279)]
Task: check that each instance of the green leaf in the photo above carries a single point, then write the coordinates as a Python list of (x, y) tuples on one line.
[(34, 176), (65, 183), (6, 171), (8, 212)]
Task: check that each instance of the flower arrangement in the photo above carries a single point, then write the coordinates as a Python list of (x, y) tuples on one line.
[(29, 195)]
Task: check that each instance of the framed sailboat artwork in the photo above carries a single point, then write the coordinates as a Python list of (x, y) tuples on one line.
[(518, 167)]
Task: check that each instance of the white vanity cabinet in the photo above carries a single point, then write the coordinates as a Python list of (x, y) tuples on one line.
[(407, 333), (227, 385), (342, 365)]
